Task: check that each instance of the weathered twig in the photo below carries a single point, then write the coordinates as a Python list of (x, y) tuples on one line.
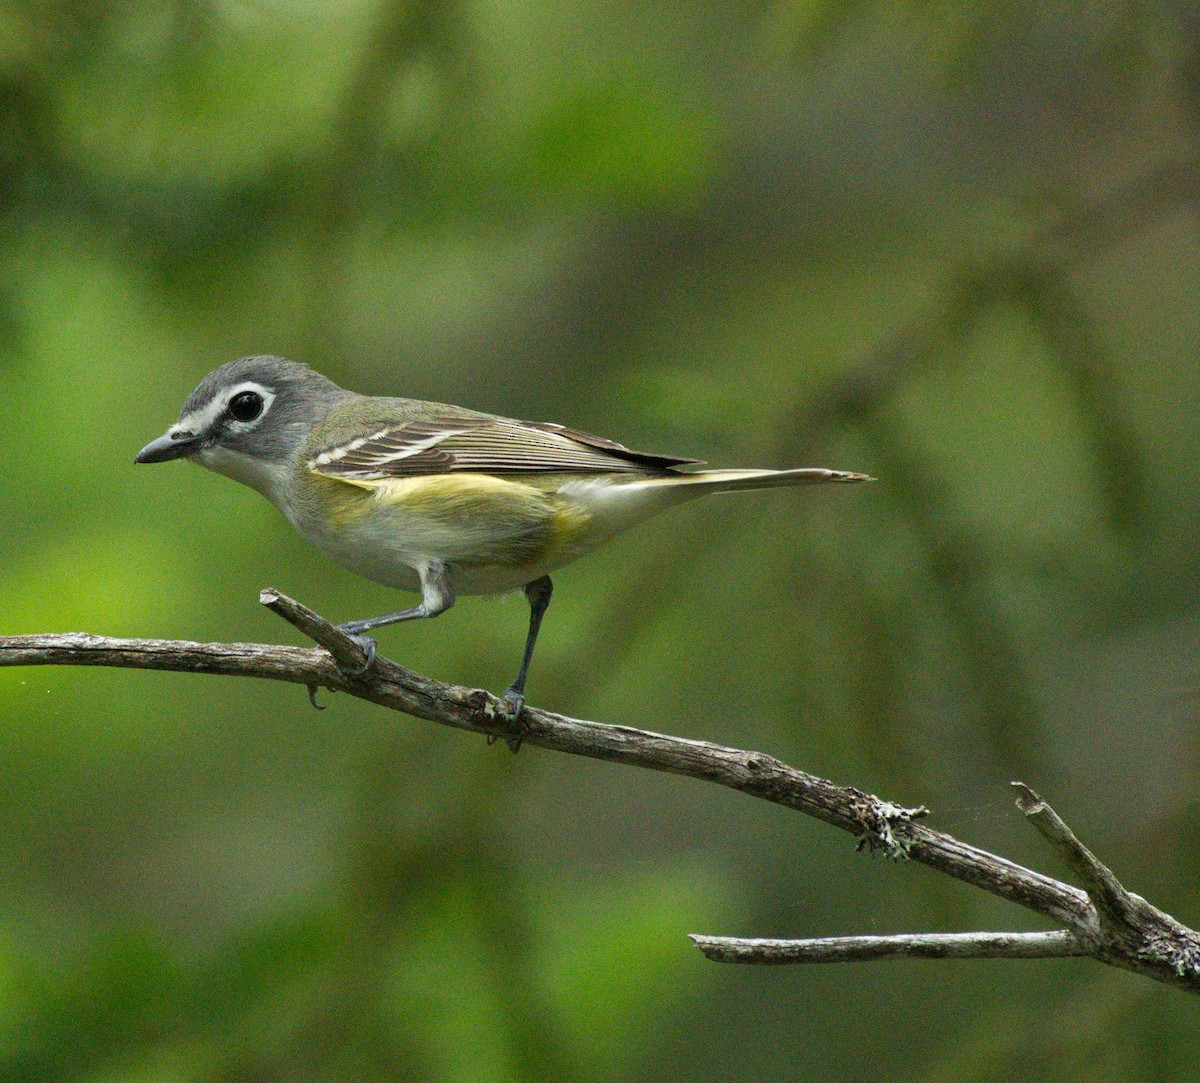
[(1168, 952), (1124, 924), (1112, 901), (854, 949), (1118, 928), (346, 650)]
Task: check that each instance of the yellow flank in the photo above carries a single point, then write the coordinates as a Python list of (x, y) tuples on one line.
[(456, 496), (489, 519), (338, 503), (569, 523)]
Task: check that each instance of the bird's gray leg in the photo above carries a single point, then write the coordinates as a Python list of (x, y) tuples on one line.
[(437, 595), (538, 592)]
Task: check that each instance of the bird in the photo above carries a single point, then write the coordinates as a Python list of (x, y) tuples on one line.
[(429, 497)]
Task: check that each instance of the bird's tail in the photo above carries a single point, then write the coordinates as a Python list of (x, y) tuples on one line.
[(736, 481), (616, 504)]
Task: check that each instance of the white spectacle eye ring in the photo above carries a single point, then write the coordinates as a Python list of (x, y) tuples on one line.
[(220, 414)]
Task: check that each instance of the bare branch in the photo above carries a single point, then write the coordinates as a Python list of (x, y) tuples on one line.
[(1124, 925), (855, 949), (1105, 890), (1150, 943), (347, 651)]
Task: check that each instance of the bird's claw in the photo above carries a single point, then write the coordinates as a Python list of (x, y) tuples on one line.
[(515, 702), (369, 649)]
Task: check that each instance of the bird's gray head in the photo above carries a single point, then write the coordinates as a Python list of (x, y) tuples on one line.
[(248, 420)]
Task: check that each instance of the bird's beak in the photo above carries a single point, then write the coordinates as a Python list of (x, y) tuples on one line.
[(171, 445)]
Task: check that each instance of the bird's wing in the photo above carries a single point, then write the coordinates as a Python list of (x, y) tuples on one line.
[(483, 445)]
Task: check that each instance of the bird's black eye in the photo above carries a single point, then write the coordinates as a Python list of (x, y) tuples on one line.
[(246, 406)]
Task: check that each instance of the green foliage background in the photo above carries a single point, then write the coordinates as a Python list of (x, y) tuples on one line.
[(951, 244)]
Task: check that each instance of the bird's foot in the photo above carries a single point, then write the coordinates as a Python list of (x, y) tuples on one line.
[(369, 649), (515, 702)]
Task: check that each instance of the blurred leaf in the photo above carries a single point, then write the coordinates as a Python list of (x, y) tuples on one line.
[(120, 992), (94, 581), (960, 572), (615, 957), (441, 991), (265, 964), (620, 143), (11, 322), (809, 29), (1090, 373)]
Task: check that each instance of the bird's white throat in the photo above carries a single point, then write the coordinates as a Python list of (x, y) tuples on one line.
[(268, 478)]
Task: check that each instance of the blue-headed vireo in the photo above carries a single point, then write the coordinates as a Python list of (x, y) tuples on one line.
[(428, 497)]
